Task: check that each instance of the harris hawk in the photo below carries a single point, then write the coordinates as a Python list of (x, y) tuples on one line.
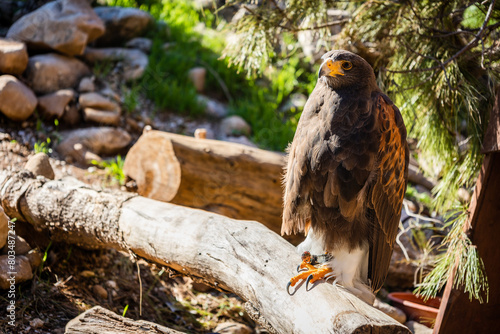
[(346, 178)]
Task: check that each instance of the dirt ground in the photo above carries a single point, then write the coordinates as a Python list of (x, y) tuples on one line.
[(65, 285)]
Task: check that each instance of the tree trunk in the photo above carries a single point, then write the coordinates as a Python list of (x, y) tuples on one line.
[(103, 321), (241, 256)]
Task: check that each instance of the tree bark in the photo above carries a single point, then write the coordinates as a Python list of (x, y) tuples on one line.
[(241, 256), (103, 321)]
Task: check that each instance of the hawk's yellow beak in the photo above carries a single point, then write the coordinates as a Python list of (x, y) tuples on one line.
[(331, 68)]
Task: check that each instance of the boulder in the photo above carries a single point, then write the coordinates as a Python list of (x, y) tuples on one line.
[(22, 268), (71, 115), (134, 61), (17, 101), (86, 85), (63, 25), (13, 57), (39, 164), (21, 246), (83, 145), (48, 73), (97, 101), (53, 104), (141, 43), (108, 117), (99, 109), (235, 126), (213, 107), (122, 24), (197, 76), (4, 227)]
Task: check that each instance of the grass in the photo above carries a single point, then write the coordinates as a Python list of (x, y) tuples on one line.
[(197, 38), (113, 169)]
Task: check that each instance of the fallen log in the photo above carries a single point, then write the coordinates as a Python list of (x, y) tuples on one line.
[(240, 256), (103, 321), (234, 180), (231, 179)]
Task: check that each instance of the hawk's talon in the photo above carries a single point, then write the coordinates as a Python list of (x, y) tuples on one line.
[(309, 278), (288, 288)]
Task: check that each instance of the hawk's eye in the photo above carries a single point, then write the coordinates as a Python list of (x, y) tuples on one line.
[(346, 65)]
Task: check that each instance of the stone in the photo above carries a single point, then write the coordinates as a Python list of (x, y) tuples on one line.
[(87, 274), (39, 164), (390, 310), (112, 285), (83, 145), (213, 107), (235, 126), (233, 328), (197, 76), (240, 140), (21, 246), (200, 133), (86, 85), (53, 105), (17, 101), (100, 292), (35, 258), (71, 115), (134, 61), (97, 101), (4, 227), (50, 72), (37, 323), (418, 328), (63, 25), (141, 43), (108, 117), (22, 268), (122, 24), (13, 57)]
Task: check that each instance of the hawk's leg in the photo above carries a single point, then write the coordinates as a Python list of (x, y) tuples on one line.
[(307, 270)]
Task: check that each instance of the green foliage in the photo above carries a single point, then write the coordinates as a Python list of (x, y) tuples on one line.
[(458, 253), (113, 169), (421, 197), (130, 98), (43, 146)]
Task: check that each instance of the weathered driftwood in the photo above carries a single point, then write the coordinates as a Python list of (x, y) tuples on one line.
[(234, 180), (227, 178), (241, 256), (103, 321)]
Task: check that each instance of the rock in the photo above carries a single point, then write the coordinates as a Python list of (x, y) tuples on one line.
[(100, 292), (21, 247), (17, 101), (22, 268), (50, 72), (97, 101), (71, 115), (233, 328), (13, 57), (4, 227), (134, 61), (141, 43), (235, 126), (122, 24), (35, 258), (213, 107), (418, 328), (63, 25), (97, 108), (200, 133), (53, 104), (83, 145), (87, 274), (240, 140), (112, 285), (390, 310), (86, 85), (108, 117), (37, 323), (197, 76), (39, 165)]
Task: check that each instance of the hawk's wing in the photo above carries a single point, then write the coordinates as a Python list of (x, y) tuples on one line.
[(389, 187)]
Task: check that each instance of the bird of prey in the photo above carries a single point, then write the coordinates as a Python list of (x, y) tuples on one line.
[(346, 177)]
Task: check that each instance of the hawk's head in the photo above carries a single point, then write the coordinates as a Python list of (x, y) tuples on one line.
[(344, 69)]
